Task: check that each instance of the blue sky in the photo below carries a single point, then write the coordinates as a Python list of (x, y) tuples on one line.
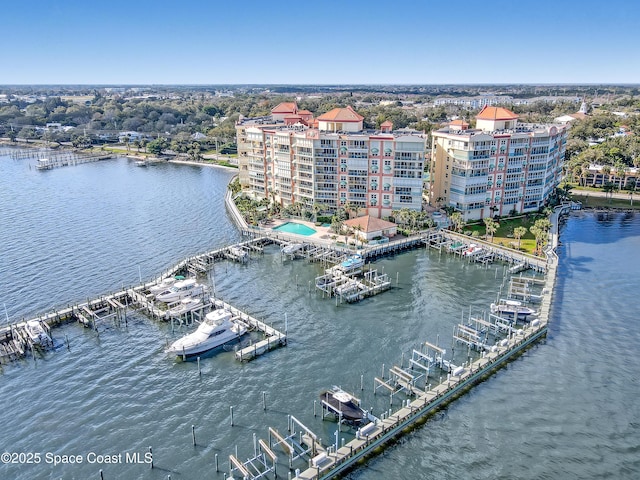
[(323, 42)]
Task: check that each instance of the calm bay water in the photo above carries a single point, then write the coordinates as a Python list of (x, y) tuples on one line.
[(566, 409)]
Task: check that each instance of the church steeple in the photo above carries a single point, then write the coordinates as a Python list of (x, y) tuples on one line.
[(583, 107)]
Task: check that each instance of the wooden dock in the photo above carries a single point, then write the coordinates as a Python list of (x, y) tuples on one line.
[(113, 308), (325, 462)]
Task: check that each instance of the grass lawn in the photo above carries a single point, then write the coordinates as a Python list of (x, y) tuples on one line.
[(504, 233), (601, 202)]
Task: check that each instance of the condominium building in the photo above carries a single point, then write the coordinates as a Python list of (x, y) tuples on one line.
[(500, 167), (291, 158)]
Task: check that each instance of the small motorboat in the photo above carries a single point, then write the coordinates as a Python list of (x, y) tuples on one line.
[(472, 250), (237, 253), (37, 333), (180, 290), (291, 249), (185, 305), (217, 329), (354, 262), (343, 404), (512, 308)]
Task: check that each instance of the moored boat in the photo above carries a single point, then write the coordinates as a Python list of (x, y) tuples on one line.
[(165, 284), (180, 290), (472, 250), (217, 329), (343, 405), (291, 249), (512, 308), (185, 305), (238, 254), (37, 333)]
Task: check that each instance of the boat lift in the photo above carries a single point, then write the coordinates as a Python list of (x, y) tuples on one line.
[(428, 357), (260, 465), (296, 445), (471, 336), (400, 380)]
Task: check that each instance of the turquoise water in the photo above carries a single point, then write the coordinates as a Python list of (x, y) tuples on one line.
[(297, 228)]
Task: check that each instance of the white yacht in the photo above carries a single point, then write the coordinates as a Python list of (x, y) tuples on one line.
[(217, 329), (180, 290), (165, 284)]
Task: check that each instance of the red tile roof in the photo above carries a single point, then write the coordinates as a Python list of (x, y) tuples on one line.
[(285, 107), (496, 113), (341, 115), (459, 122), (386, 123), (369, 223)]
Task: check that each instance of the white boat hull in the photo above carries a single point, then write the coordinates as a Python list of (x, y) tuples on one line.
[(217, 329)]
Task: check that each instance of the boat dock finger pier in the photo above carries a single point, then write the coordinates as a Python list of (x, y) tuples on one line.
[(427, 383), (112, 309)]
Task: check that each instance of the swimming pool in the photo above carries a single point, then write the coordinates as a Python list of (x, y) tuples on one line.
[(297, 228)]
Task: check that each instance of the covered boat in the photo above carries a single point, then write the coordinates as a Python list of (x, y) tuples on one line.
[(343, 404)]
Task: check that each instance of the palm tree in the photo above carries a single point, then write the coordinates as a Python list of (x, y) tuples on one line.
[(518, 233), (337, 224), (621, 173), (490, 227), (358, 229), (317, 208), (606, 170), (540, 231), (457, 221)]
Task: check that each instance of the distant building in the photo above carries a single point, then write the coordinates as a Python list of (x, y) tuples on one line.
[(126, 137), (292, 158), (581, 114), (499, 167)]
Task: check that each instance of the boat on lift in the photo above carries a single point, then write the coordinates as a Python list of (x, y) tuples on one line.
[(291, 249), (350, 265), (37, 333), (512, 308), (217, 329), (165, 284), (473, 249), (344, 405), (185, 305), (180, 290), (239, 254)]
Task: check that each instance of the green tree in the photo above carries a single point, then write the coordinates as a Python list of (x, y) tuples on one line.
[(518, 233), (155, 147), (457, 221), (490, 226)]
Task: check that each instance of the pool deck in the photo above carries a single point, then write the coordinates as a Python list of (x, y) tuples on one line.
[(323, 234)]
